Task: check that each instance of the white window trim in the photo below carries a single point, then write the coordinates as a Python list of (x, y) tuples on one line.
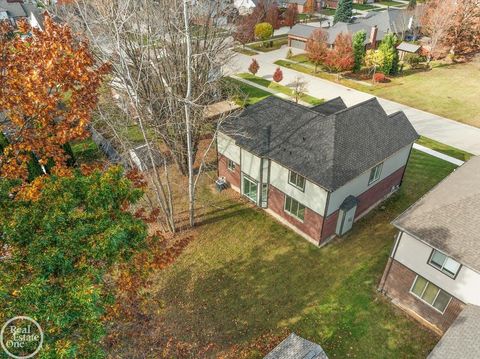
[(443, 265), (380, 166), (228, 165), (291, 214), (424, 289), (244, 176), (295, 185)]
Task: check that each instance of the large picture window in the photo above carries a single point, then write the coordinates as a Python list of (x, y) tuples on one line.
[(444, 263), (294, 208), (250, 188), (296, 180), (375, 174), (431, 294)]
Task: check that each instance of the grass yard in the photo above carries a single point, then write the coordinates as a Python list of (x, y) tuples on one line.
[(328, 12), (246, 94), (280, 88), (450, 91), (246, 279), (87, 151), (364, 7), (274, 44), (390, 3), (245, 51), (445, 149)]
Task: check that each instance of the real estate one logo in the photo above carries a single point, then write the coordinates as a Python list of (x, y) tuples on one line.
[(21, 337)]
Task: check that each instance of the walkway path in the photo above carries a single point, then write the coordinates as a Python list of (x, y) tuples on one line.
[(452, 133), (437, 154)]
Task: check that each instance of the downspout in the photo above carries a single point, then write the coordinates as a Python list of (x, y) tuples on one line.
[(392, 256), (324, 216)]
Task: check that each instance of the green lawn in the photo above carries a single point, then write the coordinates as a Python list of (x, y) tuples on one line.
[(269, 45), (364, 7), (443, 148), (328, 12), (245, 94), (389, 3), (246, 277), (450, 91), (279, 88), (245, 51)]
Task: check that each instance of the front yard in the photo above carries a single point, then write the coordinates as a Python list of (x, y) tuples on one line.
[(245, 281), (450, 91)]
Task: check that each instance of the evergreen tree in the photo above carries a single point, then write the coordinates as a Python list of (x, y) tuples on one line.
[(344, 11), (359, 49), (390, 54)]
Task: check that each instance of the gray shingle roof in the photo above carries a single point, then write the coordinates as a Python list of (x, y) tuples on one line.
[(389, 20), (14, 9), (330, 107), (462, 338), (448, 216), (295, 347), (407, 47), (328, 150)]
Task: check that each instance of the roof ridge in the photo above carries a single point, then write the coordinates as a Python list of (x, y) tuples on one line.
[(373, 99)]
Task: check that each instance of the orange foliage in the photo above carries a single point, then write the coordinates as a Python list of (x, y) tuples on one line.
[(48, 88)]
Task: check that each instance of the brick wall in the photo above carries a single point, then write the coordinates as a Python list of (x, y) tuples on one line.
[(397, 286), (312, 224), (366, 201), (233, 177), (376, 193)]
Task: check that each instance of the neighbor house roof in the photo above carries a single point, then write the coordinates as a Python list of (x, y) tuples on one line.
[(295, 347), (328, 149), (387, 21), (407, 47), (14, 9), (448, 217), (461, 339)]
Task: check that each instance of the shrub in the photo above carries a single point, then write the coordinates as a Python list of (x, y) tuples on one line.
[(289, 54), (278, 75), (263, 31), (254, 67), (379, 77), (413, 60)]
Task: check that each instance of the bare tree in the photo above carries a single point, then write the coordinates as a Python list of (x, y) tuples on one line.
[(436, 21), (167, 66), (299, 87)]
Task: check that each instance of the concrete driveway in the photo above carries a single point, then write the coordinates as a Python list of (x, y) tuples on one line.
[(438, 128)]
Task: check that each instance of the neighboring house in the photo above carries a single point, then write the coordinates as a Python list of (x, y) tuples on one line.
[(461, 339), (14, 10), (300, 4), (332, 4), (319, 169), (375, 24), (295, 347), (434, 269)]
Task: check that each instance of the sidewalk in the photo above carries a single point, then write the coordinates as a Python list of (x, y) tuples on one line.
[(452, 133)]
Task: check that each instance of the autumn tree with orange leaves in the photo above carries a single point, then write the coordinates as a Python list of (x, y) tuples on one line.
[(49, 83)]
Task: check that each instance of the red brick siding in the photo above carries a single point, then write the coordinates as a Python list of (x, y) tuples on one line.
[(368, 198), (233, 177), (312, 224), (397, 286)]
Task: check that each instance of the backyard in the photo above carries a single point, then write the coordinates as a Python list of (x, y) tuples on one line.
[(446, 90), (245, 281)]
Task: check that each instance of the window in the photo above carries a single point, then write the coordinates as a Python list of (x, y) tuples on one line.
[(375, 173), (250, 188), (430, 294), (444, 264), (231, 165), (294, 208), (296, 180)]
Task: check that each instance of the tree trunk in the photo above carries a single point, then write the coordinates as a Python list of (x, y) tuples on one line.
[(188, 99)]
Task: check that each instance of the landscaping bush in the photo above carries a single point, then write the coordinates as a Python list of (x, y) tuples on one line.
[(379, 77), (413, 60)]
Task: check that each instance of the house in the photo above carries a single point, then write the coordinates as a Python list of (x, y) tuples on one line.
[(375, 24), (318, 169), (433, 271), (295, 347), (301, 4), (14, 10), (461, 339)]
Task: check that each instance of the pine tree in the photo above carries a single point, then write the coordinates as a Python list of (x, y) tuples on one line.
[(359, 49), (344, 11)]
